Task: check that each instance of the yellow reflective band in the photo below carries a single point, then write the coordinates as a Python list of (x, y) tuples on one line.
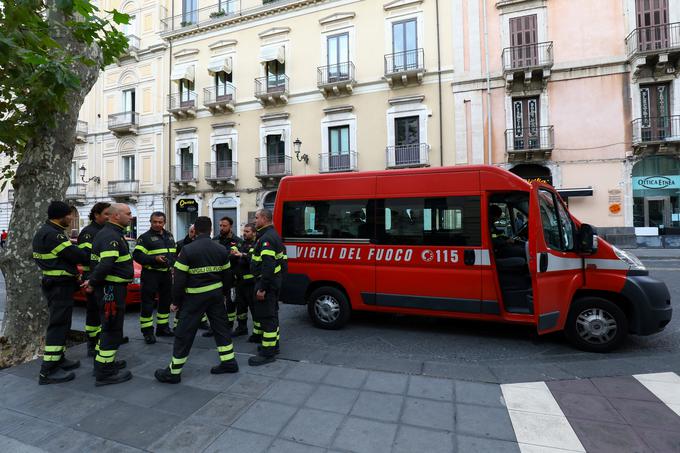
[(181, 266), (204, 318), (141, 249), (107, 353), (86, 268), (256, 258), (158, 251), (172, 250), (159, 269), (85, 245), (208, 269), (162, 315), (234, 248), (231, 316), (109, 254), (53, 348), (91, 328), (227, 357), (94, 257), (44, 256), (51, 358), (123, 258), (203, 289), (225, 348), (268, 253), (161, 322), (248, 276), (279, 256), (277, 269), (269, 344), (269, 334), (182, 361), (60, 247), (114, 279), (57, 273)]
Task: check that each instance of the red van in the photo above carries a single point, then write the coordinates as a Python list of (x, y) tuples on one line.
[(472, 242)]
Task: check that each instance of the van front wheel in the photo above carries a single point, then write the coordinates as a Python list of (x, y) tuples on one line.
[(596, 325), (328, 307)]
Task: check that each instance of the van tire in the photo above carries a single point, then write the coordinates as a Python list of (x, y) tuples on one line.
[(328, 308), (591, 323)]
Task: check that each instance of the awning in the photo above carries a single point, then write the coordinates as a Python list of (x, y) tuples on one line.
[(272, 53), (576, 192), (219, 64), (183, 72)]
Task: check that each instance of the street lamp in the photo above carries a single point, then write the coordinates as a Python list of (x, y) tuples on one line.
[(296, 146), (82, 171)]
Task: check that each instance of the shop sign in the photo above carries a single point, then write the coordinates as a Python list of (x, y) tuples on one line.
[(187, 205), (656, 182)]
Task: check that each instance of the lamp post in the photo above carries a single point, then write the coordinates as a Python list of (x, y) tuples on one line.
[(297, 144), (82, 171)]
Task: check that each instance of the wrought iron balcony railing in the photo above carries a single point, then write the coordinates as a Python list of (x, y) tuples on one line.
[(76, 191), (182, 102), (219, 95), (653, 39), (126, 187), (271, 85), (656, 129), (222, 9), (529, 139), (184, 173), (221, 171), (405, 61), (408, 155), (123, 120), (335, 74), (273, 166), (527, 57), (330, 163)]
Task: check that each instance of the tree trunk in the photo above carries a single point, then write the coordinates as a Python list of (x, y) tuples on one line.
[(42, 176)]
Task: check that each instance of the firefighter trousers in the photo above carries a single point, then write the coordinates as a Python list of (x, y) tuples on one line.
[(92, 323), (267, 314), (111, 301), (152, 283), (244, 300), (59, 295), (194, 307)]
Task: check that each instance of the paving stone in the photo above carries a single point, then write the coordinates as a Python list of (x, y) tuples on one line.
[(72, 441), (386, 382), (10, 419), (529, 373), (250, 385), (429, 414), (32, 430), (289, 392), (607, 437), (479, 373), (589, 407), (199, 376), (333, 399), (479, 393), (411, 439), (432, 388), (647, 414), (64, 406), (660, 441), (365, 436), (275, 369), (346, 377), (15, 391), (265, 417), (480, 421), (623, 387), (468, 444), (189, 437), (12, 445), (583, 386), (224, 409), (388, 364), (307, 372), (285, 446), (313, 427), (185, 401), (379, 406), (29, 370), (128, 424), (238, 441)]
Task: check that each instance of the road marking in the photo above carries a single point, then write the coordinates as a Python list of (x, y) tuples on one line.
[(539, 423), (665, 386), (662, 268)]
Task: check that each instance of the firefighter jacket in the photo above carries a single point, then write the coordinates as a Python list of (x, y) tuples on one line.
[(202, 266), (186, 241), (54, 253), (152, 244), (232, 242), (111, 260), (242, 267), (268, 259), (85, 239)]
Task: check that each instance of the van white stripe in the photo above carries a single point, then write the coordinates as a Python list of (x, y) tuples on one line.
[(291, 251), (613, 265), (538, 421), (482, 257), (559, 263), (665, 386)]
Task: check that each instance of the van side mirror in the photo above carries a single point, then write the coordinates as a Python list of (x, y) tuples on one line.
[(587, 239)]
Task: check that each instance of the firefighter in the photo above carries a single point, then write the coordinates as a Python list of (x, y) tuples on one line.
[(98, 216), (202, 280), (245, 282), (57, 258), (111, 272), (268, 263), (155, 252)]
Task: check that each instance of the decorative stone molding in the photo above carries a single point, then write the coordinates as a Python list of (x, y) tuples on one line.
[(337, 17)]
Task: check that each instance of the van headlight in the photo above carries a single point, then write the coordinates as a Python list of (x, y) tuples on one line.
[(137, 281), (630, 259)]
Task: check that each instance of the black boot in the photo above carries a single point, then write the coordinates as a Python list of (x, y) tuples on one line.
[(109, 374), (230, 366), (255, 338), (241, 329), (276, 350), (124, 340), (261, 360), (165, 376), (55, 376), (67, 365), (208, 333), (149, 338), (118, 365), (164, 331)]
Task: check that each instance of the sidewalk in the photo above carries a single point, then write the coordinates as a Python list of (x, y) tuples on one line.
[(649, 253)]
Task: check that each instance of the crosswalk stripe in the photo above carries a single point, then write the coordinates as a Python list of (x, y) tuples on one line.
[(665, 386), (539, 423)]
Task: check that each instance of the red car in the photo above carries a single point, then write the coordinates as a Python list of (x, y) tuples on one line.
[(133, 293)]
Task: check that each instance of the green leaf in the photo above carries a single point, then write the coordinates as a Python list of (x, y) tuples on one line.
[(120, 18)]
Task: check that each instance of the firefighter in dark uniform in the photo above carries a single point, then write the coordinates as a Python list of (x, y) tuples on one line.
[(245, 285), (111, 272), (202, 279), (57, 258), (155, 252), (188, 239), (268, 263), (98, 216)]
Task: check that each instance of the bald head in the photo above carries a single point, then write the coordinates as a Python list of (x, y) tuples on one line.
[(120, 214)]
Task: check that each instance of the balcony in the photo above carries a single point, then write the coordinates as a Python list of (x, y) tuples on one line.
[(405, 67), (662, 130), (222, 11), (133, 46), (335, 163), (527, 62), (219, 99), (124, 123), (273, 168), (81, 131), (76, 192), (658, 45), (402, 156), (336, 79), (182, 105), (529, 143), (221, 173), (184, 175), (124, 189), (272, 90)]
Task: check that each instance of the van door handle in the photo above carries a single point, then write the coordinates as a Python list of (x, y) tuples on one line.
[(469, 257), (543, 262)]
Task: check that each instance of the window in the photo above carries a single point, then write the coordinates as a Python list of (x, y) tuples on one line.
[(407, 140), (276, 152), (226, 6), (276, 72), (558, 230), (73, 174), (128, 100), (223, 156), (327, 219), (338, 140), (189, 12), (338, 57), (222, 81), (128, 168), (186, 92), (430, 221), (405, 45), (186, 164)]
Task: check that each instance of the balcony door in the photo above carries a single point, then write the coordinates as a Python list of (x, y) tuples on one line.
[(407, 140), (655, 124), (223, 158), (186, 164), (128, 105), (338, 57), (222, 81), (276, 155), (187, 96), (524, 41), (189, 12), (276, 76), (526, 123), (128, 168), (338, 144), (405, 45), (652, 22)]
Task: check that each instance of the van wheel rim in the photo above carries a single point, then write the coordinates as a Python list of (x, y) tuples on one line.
[(596, 326), (327, 309)]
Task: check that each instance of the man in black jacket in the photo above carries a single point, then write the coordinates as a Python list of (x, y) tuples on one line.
[(57, 258), (245, 285), (202, 279)]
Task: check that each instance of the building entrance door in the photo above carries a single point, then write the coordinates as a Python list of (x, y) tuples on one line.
[(657, 212)]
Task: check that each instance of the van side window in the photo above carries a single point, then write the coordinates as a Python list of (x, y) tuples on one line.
[(327, 219), (429, 221), (558, 229)]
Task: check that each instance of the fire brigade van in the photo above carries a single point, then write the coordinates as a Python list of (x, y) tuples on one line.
[(470, 242)]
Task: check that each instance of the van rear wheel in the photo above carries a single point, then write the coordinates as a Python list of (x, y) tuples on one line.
[(596, 325), (328, 307)]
